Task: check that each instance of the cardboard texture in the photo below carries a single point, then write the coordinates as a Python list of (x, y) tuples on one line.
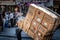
[(29, 18), (38, 36), (30, 33), (42, 29), (34, 26), (49, 19), (39, 15), (40, 23), (31, 9), (26, 25), (47, 25)]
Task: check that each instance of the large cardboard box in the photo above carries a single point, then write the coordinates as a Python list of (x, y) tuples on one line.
[(20, 24), (40, 22)]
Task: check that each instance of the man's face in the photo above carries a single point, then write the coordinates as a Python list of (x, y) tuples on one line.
[(16, 9)]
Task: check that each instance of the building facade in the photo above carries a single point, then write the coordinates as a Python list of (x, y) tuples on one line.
[(24, 4)]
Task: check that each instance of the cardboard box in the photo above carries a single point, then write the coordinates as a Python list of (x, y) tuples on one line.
[(30, 33), (33, 29), (34, 23), (34, 26), (20, 24), (39, 15), (55, 25), (31, 12), (47, 25), (48, 22), (26, 25), (31, 9), (40, 22), (49, 19), (42, 29), (29, 17), (38, 36)]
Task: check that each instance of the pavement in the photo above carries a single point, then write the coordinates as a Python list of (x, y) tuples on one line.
[(56, 35), (10, 34)]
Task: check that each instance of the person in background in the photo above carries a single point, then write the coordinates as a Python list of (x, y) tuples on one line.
[(17, 14), (58, 10), (11, 19), (7, 18), (3, 18), (18, 33), (1, 23)]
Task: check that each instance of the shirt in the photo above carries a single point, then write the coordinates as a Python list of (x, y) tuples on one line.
[(18, 15)]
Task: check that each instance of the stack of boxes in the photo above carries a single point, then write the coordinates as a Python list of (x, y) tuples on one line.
[(40, 23)]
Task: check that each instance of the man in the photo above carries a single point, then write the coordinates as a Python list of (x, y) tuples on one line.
[(17, 16), (7, 18), (1, 23)]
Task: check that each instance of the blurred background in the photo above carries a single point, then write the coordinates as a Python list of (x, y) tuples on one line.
[(8, 29)]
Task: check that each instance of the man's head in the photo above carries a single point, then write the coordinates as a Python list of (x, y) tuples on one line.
[(16, 9)]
